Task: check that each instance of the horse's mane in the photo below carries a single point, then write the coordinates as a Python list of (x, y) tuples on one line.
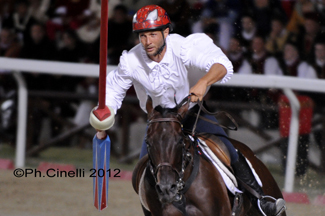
[(165, 111)]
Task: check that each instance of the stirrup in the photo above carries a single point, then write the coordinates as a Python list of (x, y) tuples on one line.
[(282, 209)]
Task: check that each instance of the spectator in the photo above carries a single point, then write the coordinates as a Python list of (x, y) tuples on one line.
[(288, 6), (120, 30), (68, 14), (297, 18), (21, 20), (76, 12), (320, 9), (6, 9), (318, 64), (248, 30), (179, 12), (319, 61), (294, 66), (262, 62), (218, 17), (311, 31), (9, 47), (237, 57), (38, 10), (263, 11), (211, 35), (277, 37), (72, 50), (39, 46), (132, 5), (47, 10), (241, 65), (90, 31)]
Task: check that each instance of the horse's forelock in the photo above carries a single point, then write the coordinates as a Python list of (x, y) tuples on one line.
[(165, 111)]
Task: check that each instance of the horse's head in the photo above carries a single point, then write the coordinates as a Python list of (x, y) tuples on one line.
[(166, 149)]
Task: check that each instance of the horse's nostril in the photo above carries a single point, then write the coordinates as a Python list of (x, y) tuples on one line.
[(173, 187)]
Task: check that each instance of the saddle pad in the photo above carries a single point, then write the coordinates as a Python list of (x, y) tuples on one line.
[(227, 176), (137, 172), (142, 195)]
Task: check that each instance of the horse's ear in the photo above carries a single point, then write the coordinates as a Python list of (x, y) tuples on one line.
[(149, 105), (183, 109)]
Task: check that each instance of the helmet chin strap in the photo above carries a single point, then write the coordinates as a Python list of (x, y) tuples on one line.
[(162, 47)]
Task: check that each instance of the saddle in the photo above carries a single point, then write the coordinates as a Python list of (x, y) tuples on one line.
[(218, 148), (212, 141)]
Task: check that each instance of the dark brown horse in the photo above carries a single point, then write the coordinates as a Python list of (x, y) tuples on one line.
[(174, 186)]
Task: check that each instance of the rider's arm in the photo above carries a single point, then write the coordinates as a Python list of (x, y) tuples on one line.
[(117, 83), (206, 63), (215, 74)]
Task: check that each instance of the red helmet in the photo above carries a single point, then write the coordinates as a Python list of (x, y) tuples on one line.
[(151, 17)]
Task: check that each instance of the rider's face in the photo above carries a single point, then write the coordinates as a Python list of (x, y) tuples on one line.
[(152, 41)]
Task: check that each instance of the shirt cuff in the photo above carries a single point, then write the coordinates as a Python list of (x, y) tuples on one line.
[(226, 63)]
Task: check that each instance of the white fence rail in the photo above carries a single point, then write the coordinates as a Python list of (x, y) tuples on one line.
[(92, 70)]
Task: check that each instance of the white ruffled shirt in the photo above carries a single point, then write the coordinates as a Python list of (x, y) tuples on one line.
[(186, 60)]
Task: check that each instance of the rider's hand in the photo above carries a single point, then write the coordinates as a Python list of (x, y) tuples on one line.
[(101, 134), (198, 91)]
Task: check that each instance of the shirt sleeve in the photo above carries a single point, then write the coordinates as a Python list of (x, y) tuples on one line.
[(117, 83), (199, 51)]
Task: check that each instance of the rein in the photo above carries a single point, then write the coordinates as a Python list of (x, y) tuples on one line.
[(215, 114), (201, 107)]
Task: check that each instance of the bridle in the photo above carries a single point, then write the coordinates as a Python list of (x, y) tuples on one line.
[(179, 200), (186, 155)]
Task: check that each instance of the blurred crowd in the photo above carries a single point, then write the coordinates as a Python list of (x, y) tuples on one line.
[(255, 34), (273, 37), (280, 37)]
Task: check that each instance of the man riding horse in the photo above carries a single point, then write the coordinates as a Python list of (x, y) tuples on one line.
[(168, 67)]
